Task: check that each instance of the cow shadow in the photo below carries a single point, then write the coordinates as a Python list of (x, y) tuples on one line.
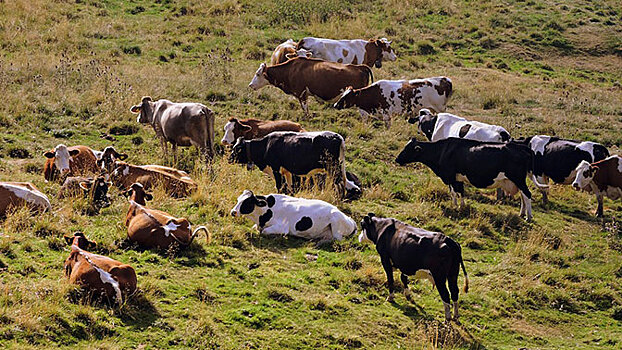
[(557, 207), (277, 243), (192, 255), (138, 312)]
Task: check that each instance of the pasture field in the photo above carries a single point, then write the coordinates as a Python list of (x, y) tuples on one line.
[(71, 69)]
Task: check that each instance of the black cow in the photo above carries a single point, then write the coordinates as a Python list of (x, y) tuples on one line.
[(482, 164), (557, 158), (415, 251), (289, 153)]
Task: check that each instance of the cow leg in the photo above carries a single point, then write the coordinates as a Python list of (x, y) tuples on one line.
[(388, 269), (525, 204), (386, 118), (304, 103), (599, 210), (457, 190), (452, 281), (289, 180), (441, 285), (174, 150), (404, 279), (164, 147), (500, 194), (278, 178), (545, 191)]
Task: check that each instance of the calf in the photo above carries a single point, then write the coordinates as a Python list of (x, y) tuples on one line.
[(358, 51), (301, 77), (558, 159), (286, 51), (445, 125), (302, 154), (386, 98), (95, 190), (75, 160), (124, 175), (277, 214), (482, 164), (99, 275), (152, 228), (415, 251), (255, 128), (16, 194), (604, 178)]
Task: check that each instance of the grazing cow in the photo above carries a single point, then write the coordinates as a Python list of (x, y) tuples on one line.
[(181, 124), (289, 153), (152, 228), (445, 125), (286, 51), (386, 98), (255, 128), (415, 251), (108, 157), (96, 190), (277, 214), (301, 77), (603, 178), (75, 160), (557, 158), (124, 175), (368, 52), (97, 274), (482, 164), (15, 194)]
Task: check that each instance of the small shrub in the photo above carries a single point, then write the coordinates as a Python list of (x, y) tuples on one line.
[(137, 140), (617, 313), (123, 129), (425, 47), (132, 50), (62, 133), (136, 10), (488, 43), (18, 152)]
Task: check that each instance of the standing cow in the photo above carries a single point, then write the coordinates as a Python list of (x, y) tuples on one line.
[(358, 51), (603, 178), (181, 124)]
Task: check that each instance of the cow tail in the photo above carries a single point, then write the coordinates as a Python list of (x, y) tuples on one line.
[(458, 254), (209, 115), (208, 235), (465, 288), (370, 73)]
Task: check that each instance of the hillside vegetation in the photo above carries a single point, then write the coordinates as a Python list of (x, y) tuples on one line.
[(70, 71)]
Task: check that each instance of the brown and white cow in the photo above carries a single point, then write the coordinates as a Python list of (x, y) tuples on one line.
[(301, 77), (286, 51), (94, 189), (181, 124), (252, 128), (386, 98), (152, 228), (604, 178), (124, 175), (16, 194), (99, 275), (368, 52), (75, 160)]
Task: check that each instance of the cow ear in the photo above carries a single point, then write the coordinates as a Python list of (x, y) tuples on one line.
[(123, 156), (418, 148), (99, 162), (148, 196), (68, 239), (91, 244), (135, 109), (49, 154), (86, 185), (74, 152), (245, 127), (146, 99), (371, 215)]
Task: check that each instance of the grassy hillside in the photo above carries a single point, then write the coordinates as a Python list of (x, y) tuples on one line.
[(70, 70)]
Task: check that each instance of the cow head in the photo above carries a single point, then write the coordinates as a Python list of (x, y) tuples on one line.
[(368, 229), (240, 153), (121, 170), (144, 110), (387, 51), (138, 194), (377, 50), (585, 173), (260, 79), (233, 130), (427, 122), (347, 99), (410, 153), (62, 157), (108, 158), (79, 240), (249, 204), (97, 192)]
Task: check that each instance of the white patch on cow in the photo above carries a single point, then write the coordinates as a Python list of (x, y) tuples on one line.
[(425, 274), (30, 196), (259, 80), (228, 138), (449, 125), (580, 181), (613, 192), (62, 158), (98, 154), (538, 143), (619, 163), (363, 236), (170, 227), (105, 276), (588, 147), (126, 171)]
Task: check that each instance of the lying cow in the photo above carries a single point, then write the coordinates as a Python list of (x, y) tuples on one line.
[(558, 159), (108, 157), (75, 160), (301, 77), (16, 194), (95, 190), (181, 124), (603, 178), (482, 164), (99, 275), (415, 251), (286, 51), (445, 125), (124, 175), (252, 128), (277, 214), (387, 98), (303, 154), (152, 228), (368, 52)]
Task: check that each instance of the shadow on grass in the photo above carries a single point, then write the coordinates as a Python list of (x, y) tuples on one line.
[(137, 312), (191, 255)]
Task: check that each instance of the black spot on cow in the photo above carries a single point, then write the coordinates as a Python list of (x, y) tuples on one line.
[(464, 130), (304, 224), (248, 205), (271, 201), (263, 219), (505, 137), (392, 94)]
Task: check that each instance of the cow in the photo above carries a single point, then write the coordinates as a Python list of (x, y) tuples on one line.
[(277, 214), (124, 175), (368, 52), (16, 194), (101, 276), (301, 77), (603, 178), (557, 158), (152, 228), (288, 153), (75, 160), (418, 252), (181, 124), (445, 125), (108, 157), (286, 51), (255, 128), (482, 164), (94, 189), (386, 98)]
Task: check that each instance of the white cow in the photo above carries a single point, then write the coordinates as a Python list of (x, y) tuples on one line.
[(368, 52), (277, 214), (446, 125)]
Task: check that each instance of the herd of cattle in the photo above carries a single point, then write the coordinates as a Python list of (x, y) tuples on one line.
[(458, 151)]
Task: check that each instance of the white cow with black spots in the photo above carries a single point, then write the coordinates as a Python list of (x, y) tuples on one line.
[(277, 214), (445, 125)]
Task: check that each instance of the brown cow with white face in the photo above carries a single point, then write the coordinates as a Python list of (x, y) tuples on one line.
[(15, 194), (368, 52), (152, 228), (603, 178), (75, 160), (175, 182), (251, 128)]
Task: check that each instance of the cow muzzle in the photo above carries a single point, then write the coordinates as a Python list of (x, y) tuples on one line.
[(378, 64), (234, 213), (576, 186)]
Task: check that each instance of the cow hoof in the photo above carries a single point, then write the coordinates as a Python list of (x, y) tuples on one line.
[(390, 298)]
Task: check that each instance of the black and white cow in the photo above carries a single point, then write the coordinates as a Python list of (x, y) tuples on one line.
[(289, 153), (482, 164), (557, 158), (277, 214), (445, 125), (415, 251)]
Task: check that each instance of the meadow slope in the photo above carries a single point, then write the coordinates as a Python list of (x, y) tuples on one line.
[(70, 70)]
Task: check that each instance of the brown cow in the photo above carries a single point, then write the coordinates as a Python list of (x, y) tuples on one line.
[(604, 178), (75, 160), (15, 194), (97, 274), (124, 175), (286, 51), (152, 228), (255, 128), (301, 77)]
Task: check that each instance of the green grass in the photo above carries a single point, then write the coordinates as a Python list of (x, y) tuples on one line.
[(70, 70)]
